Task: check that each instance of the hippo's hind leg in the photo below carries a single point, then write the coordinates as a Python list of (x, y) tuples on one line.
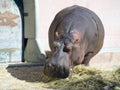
[(87, 58)]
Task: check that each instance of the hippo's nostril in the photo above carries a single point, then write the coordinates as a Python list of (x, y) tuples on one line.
[(67, 48)]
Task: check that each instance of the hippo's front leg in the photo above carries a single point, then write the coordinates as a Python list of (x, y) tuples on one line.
[(77, 56), (87, 58)]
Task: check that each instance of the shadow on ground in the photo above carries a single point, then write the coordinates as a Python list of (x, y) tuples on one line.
[(28, 73)]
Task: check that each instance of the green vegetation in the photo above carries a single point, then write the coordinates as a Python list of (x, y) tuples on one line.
[(88, 78)]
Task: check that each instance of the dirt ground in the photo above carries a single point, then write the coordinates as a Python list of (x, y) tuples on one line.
[(31, 77), (24, 78)]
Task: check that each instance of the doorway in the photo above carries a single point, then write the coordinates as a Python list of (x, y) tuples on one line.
[(11, 30)]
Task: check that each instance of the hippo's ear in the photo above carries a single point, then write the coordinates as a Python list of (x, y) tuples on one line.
[(56, 34), (48, 54), (59, 32)]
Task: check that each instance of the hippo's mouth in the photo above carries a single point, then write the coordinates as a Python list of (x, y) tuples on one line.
[(56, 72)]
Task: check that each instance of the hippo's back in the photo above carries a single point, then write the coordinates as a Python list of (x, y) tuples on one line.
[(84, 12)]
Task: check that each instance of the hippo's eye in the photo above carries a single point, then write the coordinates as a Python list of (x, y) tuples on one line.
[(76, 41), (67, 48)]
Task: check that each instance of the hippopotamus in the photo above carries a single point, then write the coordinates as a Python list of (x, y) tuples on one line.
[(75, 36)]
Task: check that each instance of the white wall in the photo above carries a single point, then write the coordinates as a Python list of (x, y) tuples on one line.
[(107, 10)]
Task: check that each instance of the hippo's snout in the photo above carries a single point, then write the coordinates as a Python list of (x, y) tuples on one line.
[(58, 66), (56, 71)]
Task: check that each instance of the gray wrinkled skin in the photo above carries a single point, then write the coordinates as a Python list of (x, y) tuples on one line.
[(75, 36)]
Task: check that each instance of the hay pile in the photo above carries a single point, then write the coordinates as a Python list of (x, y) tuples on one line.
[(88, 78)]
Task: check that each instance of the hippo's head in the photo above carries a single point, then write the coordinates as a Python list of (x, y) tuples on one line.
[(64, 57), (58, 65)]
